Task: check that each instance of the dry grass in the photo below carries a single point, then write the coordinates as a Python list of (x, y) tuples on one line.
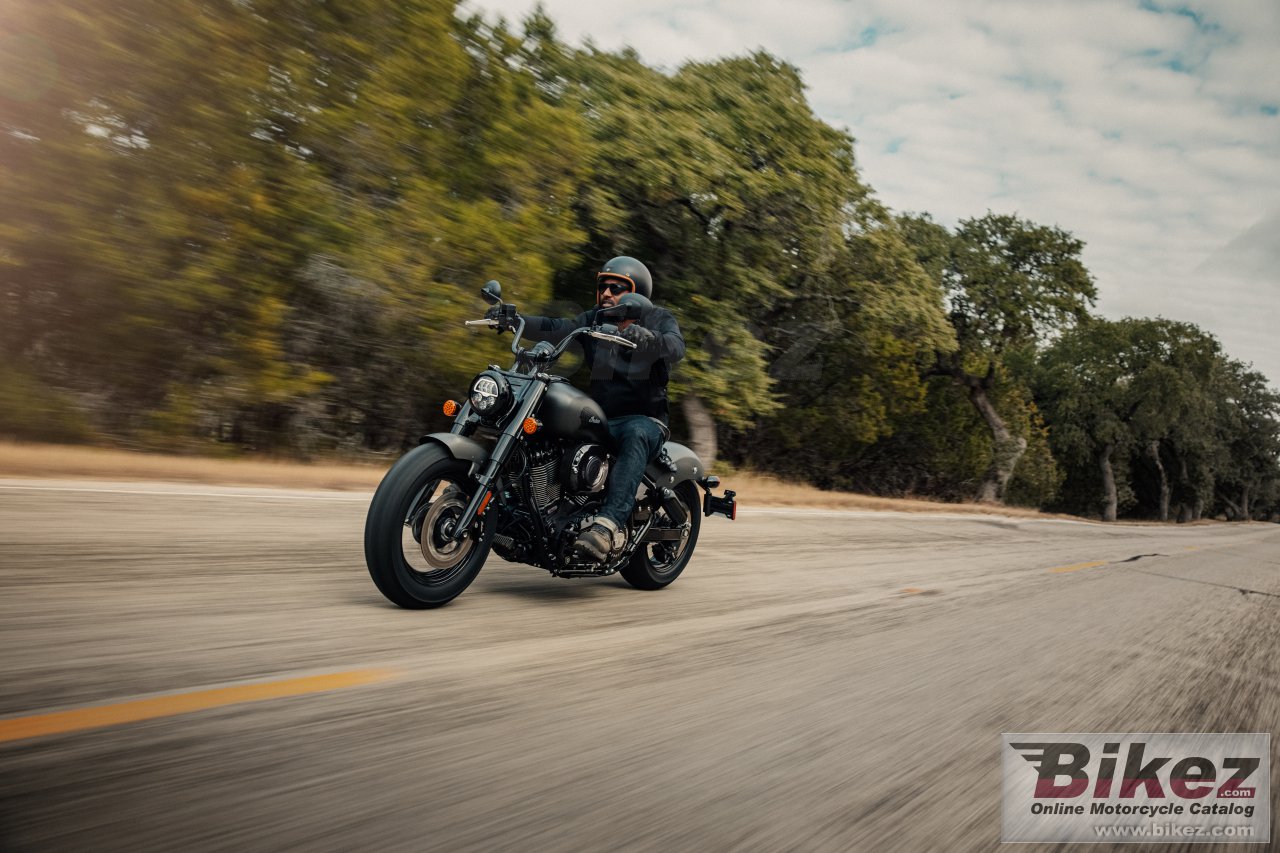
[(761, 489), (64, 461), (55, 460)]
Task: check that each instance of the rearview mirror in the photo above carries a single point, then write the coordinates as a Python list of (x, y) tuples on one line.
[(492, 291)]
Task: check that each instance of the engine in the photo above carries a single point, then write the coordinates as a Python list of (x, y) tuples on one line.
[(557, 473), (544, 480), (559, 481), (585, 469)]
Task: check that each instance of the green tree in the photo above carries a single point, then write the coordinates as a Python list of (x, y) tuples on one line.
[(176, 198), (452, 165), (1137, 391), (1249, 424), (1010, 285), (142, 218), (851, 343), (721, 178)]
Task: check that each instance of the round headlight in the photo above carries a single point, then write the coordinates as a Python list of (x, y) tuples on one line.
[(484, 395), (490, 395)]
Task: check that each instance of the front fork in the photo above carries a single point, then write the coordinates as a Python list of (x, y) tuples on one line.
[(497, 459)]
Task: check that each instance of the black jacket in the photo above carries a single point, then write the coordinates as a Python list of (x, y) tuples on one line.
[(623, 381)]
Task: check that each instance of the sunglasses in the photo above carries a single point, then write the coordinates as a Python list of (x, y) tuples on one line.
[(615, 287)]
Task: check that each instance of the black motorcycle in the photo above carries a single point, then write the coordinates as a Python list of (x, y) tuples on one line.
[(522, 472)]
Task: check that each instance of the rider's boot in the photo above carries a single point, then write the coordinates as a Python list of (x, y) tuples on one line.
[(599, 539)]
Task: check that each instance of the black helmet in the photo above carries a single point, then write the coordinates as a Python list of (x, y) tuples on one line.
[(628, 269)]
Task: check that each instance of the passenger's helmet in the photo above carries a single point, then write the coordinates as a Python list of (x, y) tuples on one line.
[(630, 270)]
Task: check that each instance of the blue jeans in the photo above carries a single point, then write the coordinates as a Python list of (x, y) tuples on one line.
[(638, 439)]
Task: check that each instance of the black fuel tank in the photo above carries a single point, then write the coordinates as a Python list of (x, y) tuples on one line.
[(566, 412)]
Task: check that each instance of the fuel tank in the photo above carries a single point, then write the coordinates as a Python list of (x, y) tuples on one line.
[(566, 412)]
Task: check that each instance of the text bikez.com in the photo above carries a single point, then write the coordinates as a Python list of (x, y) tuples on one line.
[(1191, 778), (1078, 787)]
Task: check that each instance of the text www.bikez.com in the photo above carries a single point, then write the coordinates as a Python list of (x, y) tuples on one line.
[(1169, 830)]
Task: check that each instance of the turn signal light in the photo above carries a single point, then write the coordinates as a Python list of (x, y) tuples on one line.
[(451, 408), (530, 426)]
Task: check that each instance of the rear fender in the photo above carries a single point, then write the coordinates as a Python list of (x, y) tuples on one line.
[(686, 465)]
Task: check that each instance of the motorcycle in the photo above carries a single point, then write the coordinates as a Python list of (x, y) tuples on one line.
[(522, 472)]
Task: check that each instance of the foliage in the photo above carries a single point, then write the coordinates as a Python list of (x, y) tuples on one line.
[(32, 411), (195, 164), (1012, 283), (260, 225), (1010, 286), (1170, 404)]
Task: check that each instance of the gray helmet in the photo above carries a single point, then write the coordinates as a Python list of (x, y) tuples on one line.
[(629, 270)]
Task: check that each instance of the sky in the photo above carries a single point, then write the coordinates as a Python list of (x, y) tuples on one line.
[(1150, 130)]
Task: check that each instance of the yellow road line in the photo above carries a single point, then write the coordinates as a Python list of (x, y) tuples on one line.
[(1078, 566), (98, 716)]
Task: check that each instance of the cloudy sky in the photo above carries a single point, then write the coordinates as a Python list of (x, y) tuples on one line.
[(1151, 130)]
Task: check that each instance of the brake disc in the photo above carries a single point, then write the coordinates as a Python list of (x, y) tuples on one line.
[(439, 548)]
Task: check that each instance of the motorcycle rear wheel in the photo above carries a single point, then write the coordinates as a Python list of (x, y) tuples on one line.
[(655, 565), (425, 486)]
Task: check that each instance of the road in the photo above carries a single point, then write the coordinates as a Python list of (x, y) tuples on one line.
[(815, 681)]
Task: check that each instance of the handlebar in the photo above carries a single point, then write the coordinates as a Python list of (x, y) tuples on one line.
[(613, 339), (589, 331)]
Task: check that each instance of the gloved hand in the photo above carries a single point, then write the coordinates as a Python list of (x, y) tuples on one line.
[(644, 339), (506, 321)]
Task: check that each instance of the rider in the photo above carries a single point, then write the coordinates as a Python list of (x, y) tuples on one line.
[(630, 385)]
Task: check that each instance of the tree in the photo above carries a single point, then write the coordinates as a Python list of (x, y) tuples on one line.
[(196, 170), (721, 178), (1117, 393), (1086, 389), (1010, 285), (1249, 423), (851, 344)]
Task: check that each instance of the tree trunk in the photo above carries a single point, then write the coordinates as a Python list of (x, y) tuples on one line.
[(1184, 510), (1244, 503), (1154, 449), (1110, 499), (702, 429), (1007, 449)]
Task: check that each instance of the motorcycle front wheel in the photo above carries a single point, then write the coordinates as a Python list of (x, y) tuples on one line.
[(408, 542)]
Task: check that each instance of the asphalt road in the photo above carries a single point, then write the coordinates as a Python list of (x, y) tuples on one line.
[(814, 681)]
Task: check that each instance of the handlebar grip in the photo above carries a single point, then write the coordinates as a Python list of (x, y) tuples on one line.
[(613, 339)]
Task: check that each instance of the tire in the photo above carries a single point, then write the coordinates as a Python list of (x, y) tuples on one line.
[(426, 482), (650, 568)]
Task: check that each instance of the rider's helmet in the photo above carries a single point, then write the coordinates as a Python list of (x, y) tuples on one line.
[(628, 271)]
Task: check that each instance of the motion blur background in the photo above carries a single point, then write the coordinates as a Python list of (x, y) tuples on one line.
[(257, 225)]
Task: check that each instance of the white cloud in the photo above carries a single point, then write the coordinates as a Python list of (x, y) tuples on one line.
[(1148, 129)]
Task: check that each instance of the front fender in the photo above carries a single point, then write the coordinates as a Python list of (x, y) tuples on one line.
[(686, 463), (459, 447)]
